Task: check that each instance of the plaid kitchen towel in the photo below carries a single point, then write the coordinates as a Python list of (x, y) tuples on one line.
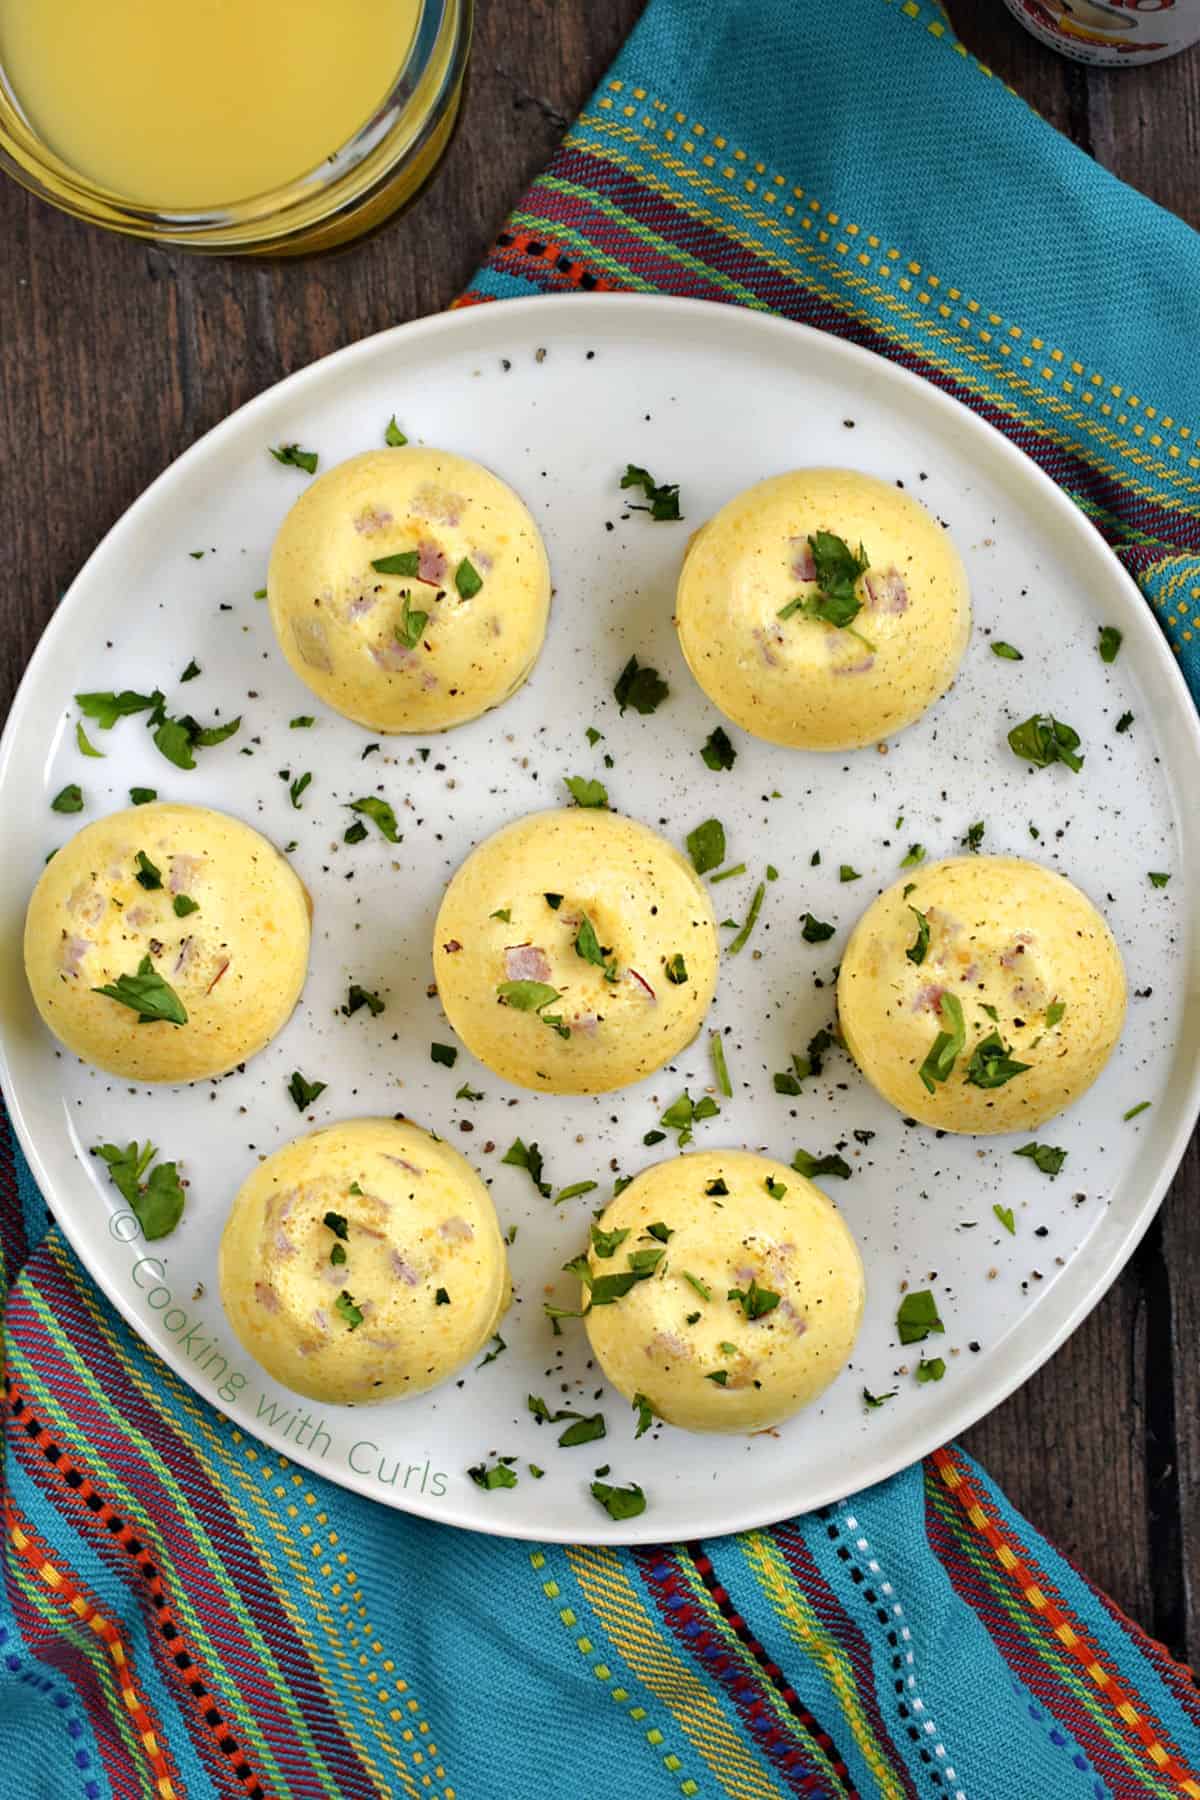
[(187, 1614)]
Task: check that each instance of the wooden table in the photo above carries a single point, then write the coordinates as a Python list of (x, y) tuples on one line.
[(114, 357)]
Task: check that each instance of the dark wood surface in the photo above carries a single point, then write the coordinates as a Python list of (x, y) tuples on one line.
[(114, 357)]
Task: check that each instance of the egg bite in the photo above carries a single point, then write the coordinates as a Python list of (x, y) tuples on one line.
[(823, 609), (363, 1262), (167, 943), (409, 589), (983, 993), (724, 1289), (575, 951)]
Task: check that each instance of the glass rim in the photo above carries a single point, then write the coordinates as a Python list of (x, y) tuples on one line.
[(395, 133)]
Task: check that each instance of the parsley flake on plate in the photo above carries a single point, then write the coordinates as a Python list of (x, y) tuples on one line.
[(586, 793), (933, 1370), (718, 752), (520, 1155), (357, 998), (303, 1092), (68, 799), (445, 1054), (1109, 643), (157, 1201), (293, 457), (1044, 1156), (706, 846), (620, 1502), (917, 1317), (815, 931), (805, 1163), (393, 437), (379, 813), (1007, 652), (1042, 739), (642, 688), (662, 497), (498, 1476), (84, 744)]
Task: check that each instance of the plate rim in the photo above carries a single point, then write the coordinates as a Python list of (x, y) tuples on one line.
[(948, 1422)]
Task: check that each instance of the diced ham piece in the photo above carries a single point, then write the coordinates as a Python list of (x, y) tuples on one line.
[(320, 1318), (1011, 958), (855, 668), (526, 962), (642, 983), (497, 629), (86, 903), (360, 607), (803, 566), (431, 564), (312, 646), (407, 1274), (668, 1343), (284, 1245), (585, 1023), (433, 502), (372, 519), (429, 681), (137, 916), (74, 950), (929, 998), (886, 593), (456, 1230), (393, 655), (768, 642), (401, 1163), (266, 1296)]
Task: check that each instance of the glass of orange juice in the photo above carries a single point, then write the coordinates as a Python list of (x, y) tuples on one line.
[(240, 126)]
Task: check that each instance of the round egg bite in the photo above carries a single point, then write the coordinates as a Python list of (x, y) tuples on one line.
[(363, 1261), (409, 589), (983, 993), (575, 952), (724, 1289), (765, 580), (194, 923)]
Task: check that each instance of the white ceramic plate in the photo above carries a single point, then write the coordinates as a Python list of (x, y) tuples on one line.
[(558, 396)]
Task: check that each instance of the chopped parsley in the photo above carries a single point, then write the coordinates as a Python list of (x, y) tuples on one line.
[(593, 736), (498, 1476), (719, 1376), (1045, 1156), (1043, 739), (919, 948), (293, 457), (871, 1400), (589, 948), (412, 622), (1141, 1107), (619, 1502), (147, 994), (336, 1222), (379, 813), (84, 744), (441, 1298), (587, 1427), (574, 1190), (1054, 1013), (393, 437), (645, 1413), (676, 970), (344, 1306), (297, 787), (467, 579), (445, 1054), (305, 1092), (694, 1281), (933, 1370), (301, 722), (104, 709), (607, 1243), (846, 873), (837, 571), (157, 1201), (973, 836), (404, 562), (1008, 652), (815, 931), (716, 1049), (534, 997), (947, 1046), (191, 672), (586, 793), (504, 913), (357, 998), (1109, 643), (498, 1348), (183, 905), (68, 799), (992, 1065), (148, 876), (706, 846), (811, 1166), (1157, 879), (684, 1113), (662, 497), (917, 1317), (916, 854), (728, 874), (642, 688), (467, 1092), (520, 1155), (776, 1189), (754, 1301), (142, 796), (1124, 722), (717, 751), (751, 921)]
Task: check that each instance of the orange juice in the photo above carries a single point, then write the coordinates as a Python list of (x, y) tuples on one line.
[(200, 103)]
